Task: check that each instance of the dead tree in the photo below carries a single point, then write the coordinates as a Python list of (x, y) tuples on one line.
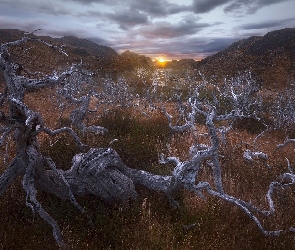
[(38, 171), (100, 171)]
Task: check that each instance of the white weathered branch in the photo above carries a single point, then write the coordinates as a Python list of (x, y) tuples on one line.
[(31, 200), (250, 156), (288, 141), (96, 172), (64, 130), (181, 128)]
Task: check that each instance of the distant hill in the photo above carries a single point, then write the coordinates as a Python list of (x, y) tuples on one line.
[(133, 60), (89, 47), (98, 58), (7, 35), (81, 46), (271, 58), (182, 64)]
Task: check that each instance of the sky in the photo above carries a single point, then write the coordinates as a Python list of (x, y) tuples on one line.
[(169, 29)]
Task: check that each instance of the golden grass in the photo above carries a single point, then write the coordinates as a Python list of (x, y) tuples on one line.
[(151, 222)]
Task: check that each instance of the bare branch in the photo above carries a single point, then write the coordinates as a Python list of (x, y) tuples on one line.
[(246, 207), (64, 130), (31, 200), (249, 155), (287, 141), (6, 132), (14, 169)]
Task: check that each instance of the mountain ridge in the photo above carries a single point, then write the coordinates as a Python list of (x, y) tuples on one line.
[(7, 35), (98, 58), (271, 58), (90, 47)]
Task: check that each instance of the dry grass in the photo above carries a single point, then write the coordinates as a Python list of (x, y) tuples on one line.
[(151, 222)]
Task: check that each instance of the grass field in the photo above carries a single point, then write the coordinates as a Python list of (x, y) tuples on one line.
[(151, 222)]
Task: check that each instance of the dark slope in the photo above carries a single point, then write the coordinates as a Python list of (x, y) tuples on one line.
[(271, 58)]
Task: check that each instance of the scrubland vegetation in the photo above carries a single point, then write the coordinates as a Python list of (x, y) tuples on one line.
[(147, 123)]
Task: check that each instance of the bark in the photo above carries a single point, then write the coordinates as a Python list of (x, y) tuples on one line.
[(14, 169), (96, 172)]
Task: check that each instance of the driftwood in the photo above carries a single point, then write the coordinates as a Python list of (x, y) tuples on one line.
[(101, 171)]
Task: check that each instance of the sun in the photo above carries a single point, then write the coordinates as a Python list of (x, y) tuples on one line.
[(161, 62)]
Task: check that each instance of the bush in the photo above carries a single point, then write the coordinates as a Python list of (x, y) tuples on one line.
[(138, 136), (251, 125)]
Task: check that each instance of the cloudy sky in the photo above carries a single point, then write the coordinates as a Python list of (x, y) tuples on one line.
[(171, 29)]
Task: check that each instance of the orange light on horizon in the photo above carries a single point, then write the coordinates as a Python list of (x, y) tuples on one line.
[(161, 60)]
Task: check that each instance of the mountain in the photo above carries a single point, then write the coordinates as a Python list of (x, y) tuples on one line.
[(7, 35), (134, 60), (86, 46), (98, 58), (38, 57), (77, 45), (271, 58), (182, 64)]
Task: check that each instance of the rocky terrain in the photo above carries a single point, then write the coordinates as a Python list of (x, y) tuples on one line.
[(98, 58), (271, 58)]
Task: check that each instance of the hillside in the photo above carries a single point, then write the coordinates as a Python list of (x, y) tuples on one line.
[(183, 64), (88, 47), (76, 45), (271, 58), (133, 60), (98, 58)]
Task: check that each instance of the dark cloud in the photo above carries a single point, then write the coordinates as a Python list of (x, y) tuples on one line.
[(87, 2), (268, 24), (240, 6), (158, 8), (128, 18), (35, 6), (52, 8), (166, 30), (161, 8), (155, 8), (250, 6), (244, 6), (133, 12), (203, 6), (234, 7)]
